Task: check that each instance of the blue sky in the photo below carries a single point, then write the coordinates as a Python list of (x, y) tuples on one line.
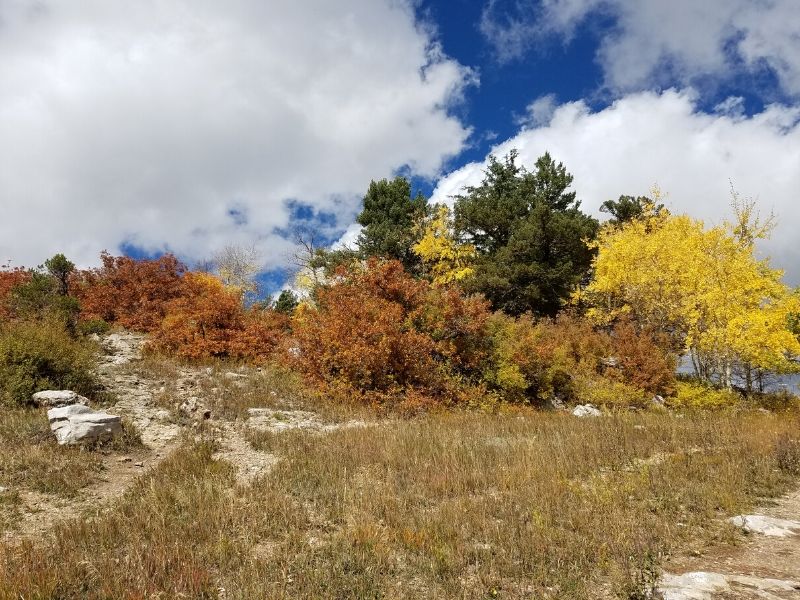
[(186, 126)]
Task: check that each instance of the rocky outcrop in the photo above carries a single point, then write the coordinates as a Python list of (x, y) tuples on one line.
[(55, 398), (79, 424)]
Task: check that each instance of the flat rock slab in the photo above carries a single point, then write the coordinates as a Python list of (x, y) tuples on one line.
[(703, 585), (78, 424), (768, 526), (51, 398)]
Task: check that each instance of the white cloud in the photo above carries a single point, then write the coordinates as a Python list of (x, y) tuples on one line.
[(647, 138), (661, 43), (150, 122)]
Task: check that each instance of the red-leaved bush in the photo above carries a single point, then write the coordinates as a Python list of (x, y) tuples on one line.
[(130, 292), (208, 320), (9, 279), (379, 335)]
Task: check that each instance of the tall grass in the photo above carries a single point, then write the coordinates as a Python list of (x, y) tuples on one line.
[(447, 506)]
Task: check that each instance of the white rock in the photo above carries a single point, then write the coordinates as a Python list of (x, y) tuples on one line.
[(769, 526), (701, 585), (586, 410), (52, 398), (3, 490), (76, 424)]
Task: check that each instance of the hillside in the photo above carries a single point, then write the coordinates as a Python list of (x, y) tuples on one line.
[(234, 483)]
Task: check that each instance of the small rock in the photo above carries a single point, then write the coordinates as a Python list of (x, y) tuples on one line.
[(55, 398), (658, 401), (3, 490), (768, 526), (77, 424), (232, 375), (190, 405), (209, 371), (586, 410)]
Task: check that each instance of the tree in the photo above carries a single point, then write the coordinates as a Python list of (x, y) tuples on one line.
[(389, 217), (703, 287), (237, 267), (529, 234), (286, 302), (628, 208), (443, 257), (60, 269)]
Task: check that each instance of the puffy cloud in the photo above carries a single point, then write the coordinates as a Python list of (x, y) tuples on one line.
[(189, 125), (661, 43), (647, 138)]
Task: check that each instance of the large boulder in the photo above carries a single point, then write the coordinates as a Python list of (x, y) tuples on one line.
[(78, 424), (53, 398)]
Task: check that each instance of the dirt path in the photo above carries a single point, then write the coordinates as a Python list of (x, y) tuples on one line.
[(765, 566)]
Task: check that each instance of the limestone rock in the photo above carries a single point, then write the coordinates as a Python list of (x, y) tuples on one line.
[(768, 526), (586, 410), (54, 398), (76, 424), (701, 585)]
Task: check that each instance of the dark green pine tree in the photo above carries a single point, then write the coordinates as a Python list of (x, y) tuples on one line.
[(286, 302), (530, 235), (389, 218), (627, 208)]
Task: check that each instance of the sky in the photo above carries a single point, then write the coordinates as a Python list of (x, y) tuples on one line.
[(187, 125)]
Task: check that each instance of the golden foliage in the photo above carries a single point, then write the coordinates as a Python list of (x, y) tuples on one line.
[(443, 256)]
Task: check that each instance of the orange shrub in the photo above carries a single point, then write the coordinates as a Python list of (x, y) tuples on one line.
[(380, 335), (208, 320), (131, 292), (10, 278), (644, 358)]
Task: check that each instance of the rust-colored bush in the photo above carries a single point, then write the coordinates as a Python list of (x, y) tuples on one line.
[(644, 359), (131, 292), (208, 320), (380, 334), (9, 279)]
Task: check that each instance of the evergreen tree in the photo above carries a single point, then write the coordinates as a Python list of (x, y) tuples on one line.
[(286, 302), (529, 233), (627, 208), (389, 218)]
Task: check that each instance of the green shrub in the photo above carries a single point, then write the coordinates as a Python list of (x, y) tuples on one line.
[(692, 394), (36, 356), (98, 326)]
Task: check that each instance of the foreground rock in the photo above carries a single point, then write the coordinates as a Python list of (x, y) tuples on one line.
[(769, 526), (54, 398), (586, 410), (702, 585), (78, 424)]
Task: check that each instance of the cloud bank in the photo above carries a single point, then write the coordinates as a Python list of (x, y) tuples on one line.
[(648, 138), (190, 124), (683, 42)]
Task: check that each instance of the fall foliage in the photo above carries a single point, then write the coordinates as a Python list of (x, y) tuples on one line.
[(133, 293)]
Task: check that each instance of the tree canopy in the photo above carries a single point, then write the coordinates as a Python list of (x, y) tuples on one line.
[(529, 235)]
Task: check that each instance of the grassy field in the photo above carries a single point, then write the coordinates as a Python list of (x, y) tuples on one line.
[(523, 505)]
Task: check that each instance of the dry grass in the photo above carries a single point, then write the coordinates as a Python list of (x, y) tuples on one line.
[(447, 506), (30, 457)]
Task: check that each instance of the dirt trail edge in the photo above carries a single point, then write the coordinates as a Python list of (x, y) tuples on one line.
[(137, 393), (765, 566)]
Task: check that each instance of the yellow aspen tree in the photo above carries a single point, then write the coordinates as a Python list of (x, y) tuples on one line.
[(445, 259), (703, 286)]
